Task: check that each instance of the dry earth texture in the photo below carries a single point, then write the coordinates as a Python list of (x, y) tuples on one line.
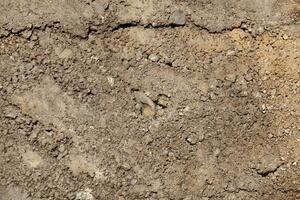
[(149, 99)]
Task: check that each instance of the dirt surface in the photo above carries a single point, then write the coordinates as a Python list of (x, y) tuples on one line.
[(134, 99)]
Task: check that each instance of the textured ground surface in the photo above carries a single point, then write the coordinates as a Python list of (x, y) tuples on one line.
[(134, 100)]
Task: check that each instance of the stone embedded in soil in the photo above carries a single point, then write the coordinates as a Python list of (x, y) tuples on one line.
[(153, 57), (192, 139), (148, 106), (268, 165), (178, 18)]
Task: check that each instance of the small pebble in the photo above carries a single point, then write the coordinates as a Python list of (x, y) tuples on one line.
[(192, 139), (260, 30), (153, 58), (178, 18)]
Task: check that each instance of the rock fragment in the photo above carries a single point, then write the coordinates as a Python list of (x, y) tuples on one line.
[(268, 165), (148, 106), (178, 18), (192, 139), (153, 57)]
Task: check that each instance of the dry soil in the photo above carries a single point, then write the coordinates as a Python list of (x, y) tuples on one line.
[(149, 99)]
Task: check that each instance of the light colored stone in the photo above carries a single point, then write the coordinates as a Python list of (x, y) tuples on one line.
[(178, 18), (192, 139), (153, 57)]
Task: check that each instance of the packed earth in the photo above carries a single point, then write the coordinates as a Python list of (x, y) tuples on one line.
[(149, 99)]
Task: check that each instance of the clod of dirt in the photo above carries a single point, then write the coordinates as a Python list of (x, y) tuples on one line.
[(178, 18)]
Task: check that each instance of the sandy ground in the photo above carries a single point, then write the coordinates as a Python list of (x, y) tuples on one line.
[(136, 100)]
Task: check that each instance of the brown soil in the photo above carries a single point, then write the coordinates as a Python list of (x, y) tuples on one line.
[(167, 100)]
